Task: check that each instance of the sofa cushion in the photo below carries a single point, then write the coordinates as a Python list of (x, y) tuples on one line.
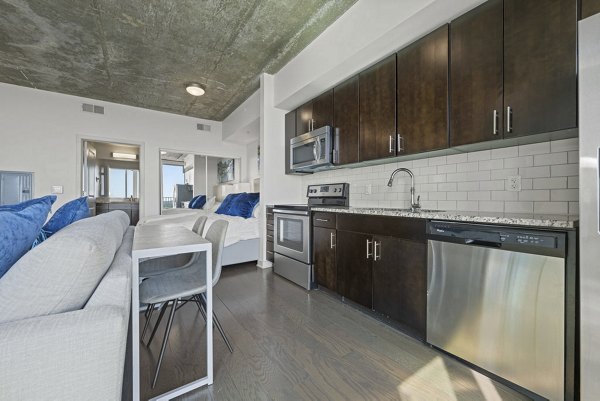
[(19, 226), (61, 274)]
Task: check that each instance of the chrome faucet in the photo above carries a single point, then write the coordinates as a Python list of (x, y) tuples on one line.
[(414, 206)]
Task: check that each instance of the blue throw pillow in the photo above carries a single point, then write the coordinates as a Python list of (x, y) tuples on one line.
[(19, 226), (242, 205), (226, 204), (68, 213), (197, 202)]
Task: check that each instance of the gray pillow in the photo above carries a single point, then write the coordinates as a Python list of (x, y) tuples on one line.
[(61, 274)]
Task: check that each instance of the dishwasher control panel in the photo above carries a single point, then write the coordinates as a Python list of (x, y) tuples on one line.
[(485, 235)]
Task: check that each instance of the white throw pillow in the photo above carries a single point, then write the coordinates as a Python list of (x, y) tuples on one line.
[(209, 203), (256, 211)]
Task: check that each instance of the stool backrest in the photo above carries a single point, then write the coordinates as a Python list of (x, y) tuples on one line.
[(199, 225), (216, 235)]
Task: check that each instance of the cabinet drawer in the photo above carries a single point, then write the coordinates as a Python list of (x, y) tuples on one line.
[(399, 227), (324, 219), (270, 236), (269, 246), (270, 256)]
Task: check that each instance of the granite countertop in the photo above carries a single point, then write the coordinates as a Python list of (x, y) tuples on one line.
[(531, 220)]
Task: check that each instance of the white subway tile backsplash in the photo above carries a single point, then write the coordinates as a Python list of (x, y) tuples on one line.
[(565, 170), (551, 207), (505, 153), (569, 195), (550, 183), (481, 155), (535, 195), (475, 181), (518, 207), (564, 145), (535, 172), (534, 149), (550, 159)]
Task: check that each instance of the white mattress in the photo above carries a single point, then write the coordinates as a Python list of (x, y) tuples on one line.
[(239, 229)]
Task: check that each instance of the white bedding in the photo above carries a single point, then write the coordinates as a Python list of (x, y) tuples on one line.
[(239, 229)]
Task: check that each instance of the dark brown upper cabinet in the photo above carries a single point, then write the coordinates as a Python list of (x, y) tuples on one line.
[(589, 8), (290, 132), (345, 120), (540, 66), (476, 75), (422, 106), (315, 114), (377, 110)]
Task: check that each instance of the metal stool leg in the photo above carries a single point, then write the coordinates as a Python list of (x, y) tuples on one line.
[(164, 343), (160, 316), (148, 317), (200, 304)]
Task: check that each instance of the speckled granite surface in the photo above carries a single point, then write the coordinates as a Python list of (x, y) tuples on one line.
[(531, 220)]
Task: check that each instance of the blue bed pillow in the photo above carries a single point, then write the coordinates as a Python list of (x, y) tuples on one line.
[(68, 213), (19, 226), (241, 205), (197, 202), (227, 202)]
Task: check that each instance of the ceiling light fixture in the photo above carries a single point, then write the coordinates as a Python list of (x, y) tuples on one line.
[(195, 89), (117, 155), (162, 152)]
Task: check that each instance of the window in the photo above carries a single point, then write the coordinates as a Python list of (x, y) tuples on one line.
[(123, 183)]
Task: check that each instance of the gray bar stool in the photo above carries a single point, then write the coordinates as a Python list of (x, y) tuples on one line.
[(188, 284), (156, 266)]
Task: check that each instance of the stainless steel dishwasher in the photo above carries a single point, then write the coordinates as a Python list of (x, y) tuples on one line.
[(496, 299)]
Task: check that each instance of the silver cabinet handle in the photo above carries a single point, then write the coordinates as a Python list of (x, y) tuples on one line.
[(399, 143), (331, 243), (323, 220), (391, 144), (369, 243), (377, 256), (495, 123), (509, 119)]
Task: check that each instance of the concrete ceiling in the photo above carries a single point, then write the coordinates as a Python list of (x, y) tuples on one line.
[(142, 52)]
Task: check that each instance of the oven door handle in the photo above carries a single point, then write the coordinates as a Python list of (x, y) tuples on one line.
[(296, 212)]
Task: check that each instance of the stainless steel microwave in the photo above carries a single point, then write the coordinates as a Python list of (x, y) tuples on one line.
[(312, 150)]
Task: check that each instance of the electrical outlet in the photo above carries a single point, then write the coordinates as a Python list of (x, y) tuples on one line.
[(513, 183), (57, 189), (368, 189)]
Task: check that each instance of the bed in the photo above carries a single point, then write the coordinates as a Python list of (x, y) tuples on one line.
[(242, 240)]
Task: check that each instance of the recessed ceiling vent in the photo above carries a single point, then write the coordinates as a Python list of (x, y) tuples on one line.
[(92, 108), (203, 127)]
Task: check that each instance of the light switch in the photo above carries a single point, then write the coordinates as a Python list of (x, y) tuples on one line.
[(57, 189)]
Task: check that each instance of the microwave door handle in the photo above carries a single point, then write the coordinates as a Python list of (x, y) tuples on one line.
[(318, 149), (315, 150)]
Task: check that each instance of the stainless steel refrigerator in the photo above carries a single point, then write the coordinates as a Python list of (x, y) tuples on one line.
[(589, 228)]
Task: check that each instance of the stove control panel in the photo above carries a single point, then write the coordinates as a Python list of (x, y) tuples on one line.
[(328, 191)]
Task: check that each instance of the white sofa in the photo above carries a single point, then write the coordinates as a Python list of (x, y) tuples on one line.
[(65, 314)]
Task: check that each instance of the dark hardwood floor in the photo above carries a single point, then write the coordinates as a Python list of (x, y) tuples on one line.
[(291, 344)]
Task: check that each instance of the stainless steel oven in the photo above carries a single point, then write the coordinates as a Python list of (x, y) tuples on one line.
[(312, 150), (292, 244)]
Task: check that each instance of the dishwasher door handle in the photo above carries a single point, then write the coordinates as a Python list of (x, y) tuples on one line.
[(489, 244)]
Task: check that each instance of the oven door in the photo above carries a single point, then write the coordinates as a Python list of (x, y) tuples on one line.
[(292, 235)]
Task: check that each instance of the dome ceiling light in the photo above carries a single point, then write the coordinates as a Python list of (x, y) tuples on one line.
[(195, 89)]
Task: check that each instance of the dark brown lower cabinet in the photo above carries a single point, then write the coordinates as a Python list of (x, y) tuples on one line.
[(355, 267), (400, 282), (324, 257)]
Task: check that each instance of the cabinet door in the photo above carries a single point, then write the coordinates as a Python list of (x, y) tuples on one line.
[(400, 282), (354, 267), (290, 132), (377, 110), (345, 120), (476, 39), (304, 118), (540, 55), (423, 94), (322, 110), (589, 8), (324, 257)]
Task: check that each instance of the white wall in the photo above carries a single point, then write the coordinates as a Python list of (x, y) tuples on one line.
[(252, 161), (275, 186), (241, 125), (40, 132)]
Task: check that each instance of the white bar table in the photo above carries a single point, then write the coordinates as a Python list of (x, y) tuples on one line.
[(151, 241)]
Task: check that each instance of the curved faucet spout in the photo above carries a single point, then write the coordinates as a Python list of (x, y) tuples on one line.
[(413, 205)]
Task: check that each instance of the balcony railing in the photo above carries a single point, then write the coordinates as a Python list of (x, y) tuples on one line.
[(167, 202)]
